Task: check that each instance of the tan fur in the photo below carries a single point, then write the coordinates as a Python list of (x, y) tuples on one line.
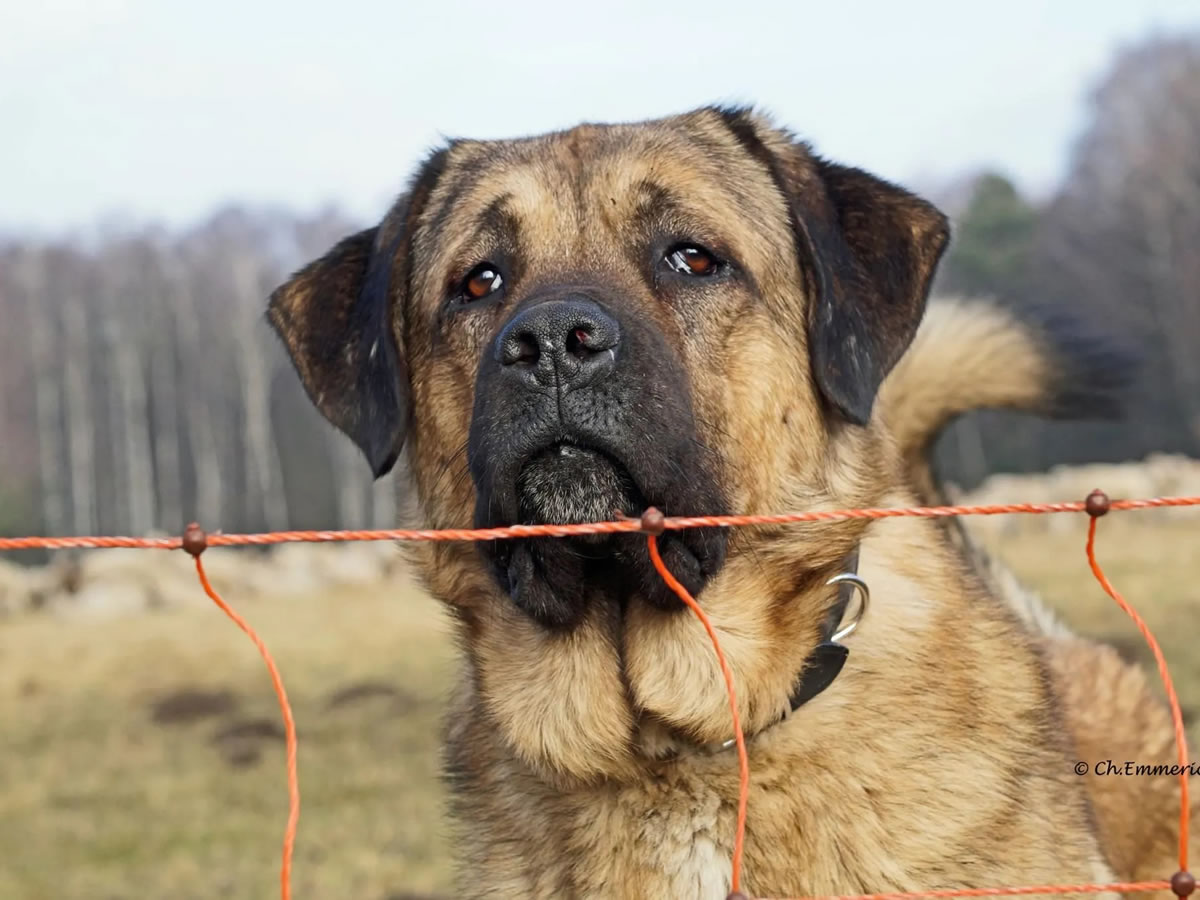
[(973, 354), (939, 758)]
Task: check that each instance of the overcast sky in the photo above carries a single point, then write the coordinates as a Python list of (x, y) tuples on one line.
[(164, 110)]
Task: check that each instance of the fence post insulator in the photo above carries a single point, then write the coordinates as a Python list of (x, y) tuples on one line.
[(1097, 503), (195, 541), (1183, 883), (653, 522)]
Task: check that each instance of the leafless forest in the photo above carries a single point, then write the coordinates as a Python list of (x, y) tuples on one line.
[(143, 389), (140, 387)]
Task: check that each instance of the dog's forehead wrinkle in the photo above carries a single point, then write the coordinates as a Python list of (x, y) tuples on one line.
[(578, 197)]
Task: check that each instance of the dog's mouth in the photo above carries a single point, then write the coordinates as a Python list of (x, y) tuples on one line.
[(578, 453), (553, 579), (568, 484)]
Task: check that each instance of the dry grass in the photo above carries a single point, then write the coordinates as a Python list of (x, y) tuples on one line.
[(1153, 564), (139, 757), (107, 792)]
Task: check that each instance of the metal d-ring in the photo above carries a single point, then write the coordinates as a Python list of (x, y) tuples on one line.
[(864, 601)]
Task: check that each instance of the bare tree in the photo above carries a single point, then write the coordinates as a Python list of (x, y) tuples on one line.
[(383, 502), (124, 329), (47, 392), (164, 389), (201, 408), (77, 354), (348, 469), (264, 482)]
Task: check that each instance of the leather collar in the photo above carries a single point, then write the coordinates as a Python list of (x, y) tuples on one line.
[(825, 662), (823, 665)]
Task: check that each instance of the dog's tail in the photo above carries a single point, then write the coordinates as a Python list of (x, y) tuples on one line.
[(977, 354)]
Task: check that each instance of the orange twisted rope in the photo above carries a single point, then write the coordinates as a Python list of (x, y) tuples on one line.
[(1132, 887), (195, 541), (620, 526)]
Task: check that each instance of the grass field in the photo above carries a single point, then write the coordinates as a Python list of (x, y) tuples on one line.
[(140, 758)]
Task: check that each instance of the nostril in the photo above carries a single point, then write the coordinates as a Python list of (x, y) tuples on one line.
[(527, 349), (521, 348), (577, 342)]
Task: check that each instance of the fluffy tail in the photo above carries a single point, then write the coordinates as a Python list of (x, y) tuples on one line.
[(977, 354)]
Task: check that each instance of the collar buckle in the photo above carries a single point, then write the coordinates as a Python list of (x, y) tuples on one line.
[(825, 663)]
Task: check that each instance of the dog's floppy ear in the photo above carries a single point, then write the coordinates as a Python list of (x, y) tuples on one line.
[(872, 248), (338, 318)]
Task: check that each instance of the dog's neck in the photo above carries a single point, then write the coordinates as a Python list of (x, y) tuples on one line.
[(818, 671)]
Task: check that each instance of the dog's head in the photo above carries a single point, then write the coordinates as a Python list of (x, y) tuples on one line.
[(693, 313)]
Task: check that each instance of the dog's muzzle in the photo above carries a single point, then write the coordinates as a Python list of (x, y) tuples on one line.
[(582, 414)]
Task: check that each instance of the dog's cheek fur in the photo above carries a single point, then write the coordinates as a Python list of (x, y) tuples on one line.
[(778, 456), (556, 697), (582, 728), (436, 453)]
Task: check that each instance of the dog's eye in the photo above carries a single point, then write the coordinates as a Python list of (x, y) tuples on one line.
[(692, 259), (482, 281)]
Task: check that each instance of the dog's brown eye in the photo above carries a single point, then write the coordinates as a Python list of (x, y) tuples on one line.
[(483, 280), (690, 259)]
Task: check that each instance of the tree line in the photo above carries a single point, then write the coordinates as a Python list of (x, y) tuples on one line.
[(140, 387), (1119, 241)]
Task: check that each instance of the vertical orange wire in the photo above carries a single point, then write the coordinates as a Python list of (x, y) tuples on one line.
[(293, 780), (743, 759), (1168, 683)]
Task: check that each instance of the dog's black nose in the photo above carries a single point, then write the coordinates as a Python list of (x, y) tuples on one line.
[(570, 342)]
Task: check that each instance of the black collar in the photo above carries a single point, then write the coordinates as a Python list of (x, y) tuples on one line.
[(823, 665), (825, 662)]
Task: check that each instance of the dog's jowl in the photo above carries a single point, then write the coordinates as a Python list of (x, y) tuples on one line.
[(699, 314)]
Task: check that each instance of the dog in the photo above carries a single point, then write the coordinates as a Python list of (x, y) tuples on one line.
[(700, 314)]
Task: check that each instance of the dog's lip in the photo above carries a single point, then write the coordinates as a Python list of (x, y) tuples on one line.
[(568, 447), (632, 498)]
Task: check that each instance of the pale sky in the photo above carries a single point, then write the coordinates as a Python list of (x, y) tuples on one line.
[(165, 110)]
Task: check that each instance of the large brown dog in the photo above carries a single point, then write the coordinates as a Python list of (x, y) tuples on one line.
[(698, 314)]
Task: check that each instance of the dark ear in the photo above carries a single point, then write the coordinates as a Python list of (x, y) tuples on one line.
[(340, 338), (339, 319), (872, 249)]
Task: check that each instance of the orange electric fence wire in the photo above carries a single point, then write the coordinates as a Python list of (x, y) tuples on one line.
[(1172, 699), (619, 526), (653, 523), (289, 725), (739, 834), (1132, 887)]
